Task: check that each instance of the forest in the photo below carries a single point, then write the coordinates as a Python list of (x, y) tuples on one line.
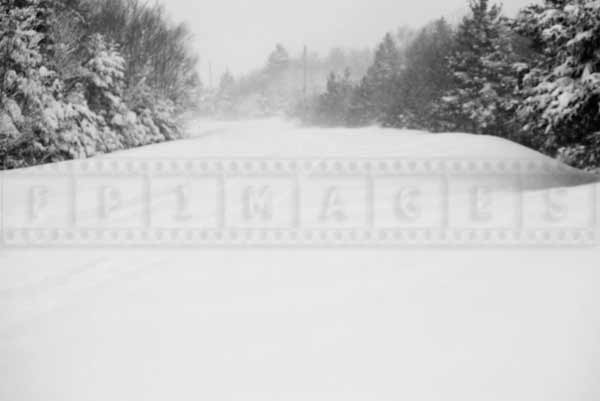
[(281, 84), (80, 78), (533, 79)]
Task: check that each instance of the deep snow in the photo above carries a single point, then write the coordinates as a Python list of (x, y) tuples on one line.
[(414, 323)]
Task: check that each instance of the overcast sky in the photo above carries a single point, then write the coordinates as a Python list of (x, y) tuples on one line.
[(239, 34)]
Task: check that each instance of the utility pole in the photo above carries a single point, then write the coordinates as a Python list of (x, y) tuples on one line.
[(213, 102), (305, 80)]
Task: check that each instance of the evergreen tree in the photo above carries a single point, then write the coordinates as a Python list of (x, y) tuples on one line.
[(424, 79), (376, 93), (63, 91), (483, 98), (362, 109), (29, 109), (225, 96), (562, 85), (156, 51), (278, 60), (334, 105), (105, 75)]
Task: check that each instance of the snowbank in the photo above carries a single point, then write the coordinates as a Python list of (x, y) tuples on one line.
[(416, 323)]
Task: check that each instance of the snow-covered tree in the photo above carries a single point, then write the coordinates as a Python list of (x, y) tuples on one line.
[(225, 102), (104, 79), (483, 98), (64, 87), (156, 50), (377, 90), (278, 60), (425, 77), (562, 85), (104, 75), (333, 106), (30, 106)]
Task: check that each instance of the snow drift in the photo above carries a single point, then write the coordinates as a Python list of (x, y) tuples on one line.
[(418, 323)]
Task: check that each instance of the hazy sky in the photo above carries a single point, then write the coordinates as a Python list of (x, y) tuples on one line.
[(239, 34)]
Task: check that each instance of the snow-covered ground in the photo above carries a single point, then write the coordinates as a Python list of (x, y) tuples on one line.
[(518, 323)]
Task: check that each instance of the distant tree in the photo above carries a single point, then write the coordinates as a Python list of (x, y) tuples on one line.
[(278, 88), (227, 82), (334, 105), (278, 60), (337, 59), (225, 102), (376, 92), (425, 78), (405, 35), (362, 109)]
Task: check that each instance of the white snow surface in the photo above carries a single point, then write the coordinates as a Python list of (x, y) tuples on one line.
[(465, 324)]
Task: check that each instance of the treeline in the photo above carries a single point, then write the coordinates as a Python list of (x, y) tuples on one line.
[(278, 87), (534, 79), (82, 77)]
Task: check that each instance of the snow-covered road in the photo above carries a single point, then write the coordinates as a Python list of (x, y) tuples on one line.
[(412, 323)]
